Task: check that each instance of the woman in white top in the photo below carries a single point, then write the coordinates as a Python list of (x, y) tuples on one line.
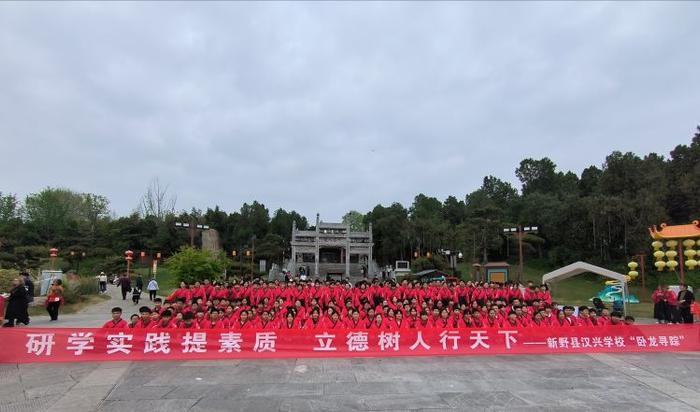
[(102, 279), (152, 289)]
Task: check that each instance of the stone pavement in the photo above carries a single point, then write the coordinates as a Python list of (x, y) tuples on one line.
[(95, 315), (600, 382)]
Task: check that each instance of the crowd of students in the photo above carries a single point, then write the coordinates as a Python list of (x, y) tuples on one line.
[(376, 305)]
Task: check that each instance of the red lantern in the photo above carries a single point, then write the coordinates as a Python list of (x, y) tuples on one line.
[(53, 252), (158, 255), (143, 255), (129, 255)]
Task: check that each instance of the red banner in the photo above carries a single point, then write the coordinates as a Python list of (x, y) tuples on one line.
[(23, 345)]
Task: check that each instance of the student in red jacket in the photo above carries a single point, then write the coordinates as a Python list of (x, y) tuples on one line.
[(265, 322), (569, 316), (214, 321), (242, 323), (354, 321), (183, 292), (188, 321), (116, 322), (290, 321), (145, 321), (584, 317), (399, 322), (443, 322), (166, 321), (538, 320), (492, 321), (561, 320), (315, 321), (424, 322), (334, 321), (378, 323)]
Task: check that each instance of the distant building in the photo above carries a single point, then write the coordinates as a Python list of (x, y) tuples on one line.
[(332, 249)]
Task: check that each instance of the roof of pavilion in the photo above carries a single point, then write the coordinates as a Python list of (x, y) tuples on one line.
[(675, 232)]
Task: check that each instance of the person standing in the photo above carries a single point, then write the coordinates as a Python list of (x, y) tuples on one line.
[(54, 298), (139, 282), (152, 289), (136, 295), (29, 285), (2, 309), (660, 304), (685, 299), (117, 322), (17, 304), (102, 279), (125, 284)]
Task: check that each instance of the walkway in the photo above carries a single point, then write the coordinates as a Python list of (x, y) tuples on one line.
[(93, 315)]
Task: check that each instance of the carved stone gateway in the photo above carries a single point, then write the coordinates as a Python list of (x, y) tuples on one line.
[(332, 249), (210, 240)]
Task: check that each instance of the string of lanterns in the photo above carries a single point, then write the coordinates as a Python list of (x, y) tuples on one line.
[(670, 254)]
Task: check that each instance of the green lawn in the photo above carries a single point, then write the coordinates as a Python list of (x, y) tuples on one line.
[(578, 290)]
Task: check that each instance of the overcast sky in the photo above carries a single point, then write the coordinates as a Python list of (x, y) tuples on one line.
[(327, 107)]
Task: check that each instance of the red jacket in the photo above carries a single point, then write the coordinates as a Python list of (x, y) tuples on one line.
[(110, 324)]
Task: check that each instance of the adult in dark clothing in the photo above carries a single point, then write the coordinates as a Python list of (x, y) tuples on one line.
[(125, 284), (29, 285), (139, 282), (17, 305), (685, 299)]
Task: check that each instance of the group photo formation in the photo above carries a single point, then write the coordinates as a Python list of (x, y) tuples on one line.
[(377, 305), (349, 206)]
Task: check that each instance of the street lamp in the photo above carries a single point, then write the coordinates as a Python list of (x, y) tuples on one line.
[(128, 256), (234, 253), (520, 232), (80, 256), (53, 253)]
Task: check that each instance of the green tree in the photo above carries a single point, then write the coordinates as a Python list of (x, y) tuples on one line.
[(390, 230), (355, 219), (683, 202), (191, 264), (537, 175), (281, 223), (271, 248)]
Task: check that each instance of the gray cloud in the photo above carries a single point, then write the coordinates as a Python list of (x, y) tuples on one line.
[(333, 106)]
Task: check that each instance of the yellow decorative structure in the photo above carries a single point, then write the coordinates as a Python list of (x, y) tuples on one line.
[(632, 274), (679, 241)]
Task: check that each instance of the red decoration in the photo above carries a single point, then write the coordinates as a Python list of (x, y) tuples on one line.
[(53, 252)]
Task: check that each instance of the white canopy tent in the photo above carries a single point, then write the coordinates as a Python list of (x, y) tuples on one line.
[(578, 268)]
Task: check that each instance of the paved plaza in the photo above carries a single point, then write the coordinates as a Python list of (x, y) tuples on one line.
[(600, 382)]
